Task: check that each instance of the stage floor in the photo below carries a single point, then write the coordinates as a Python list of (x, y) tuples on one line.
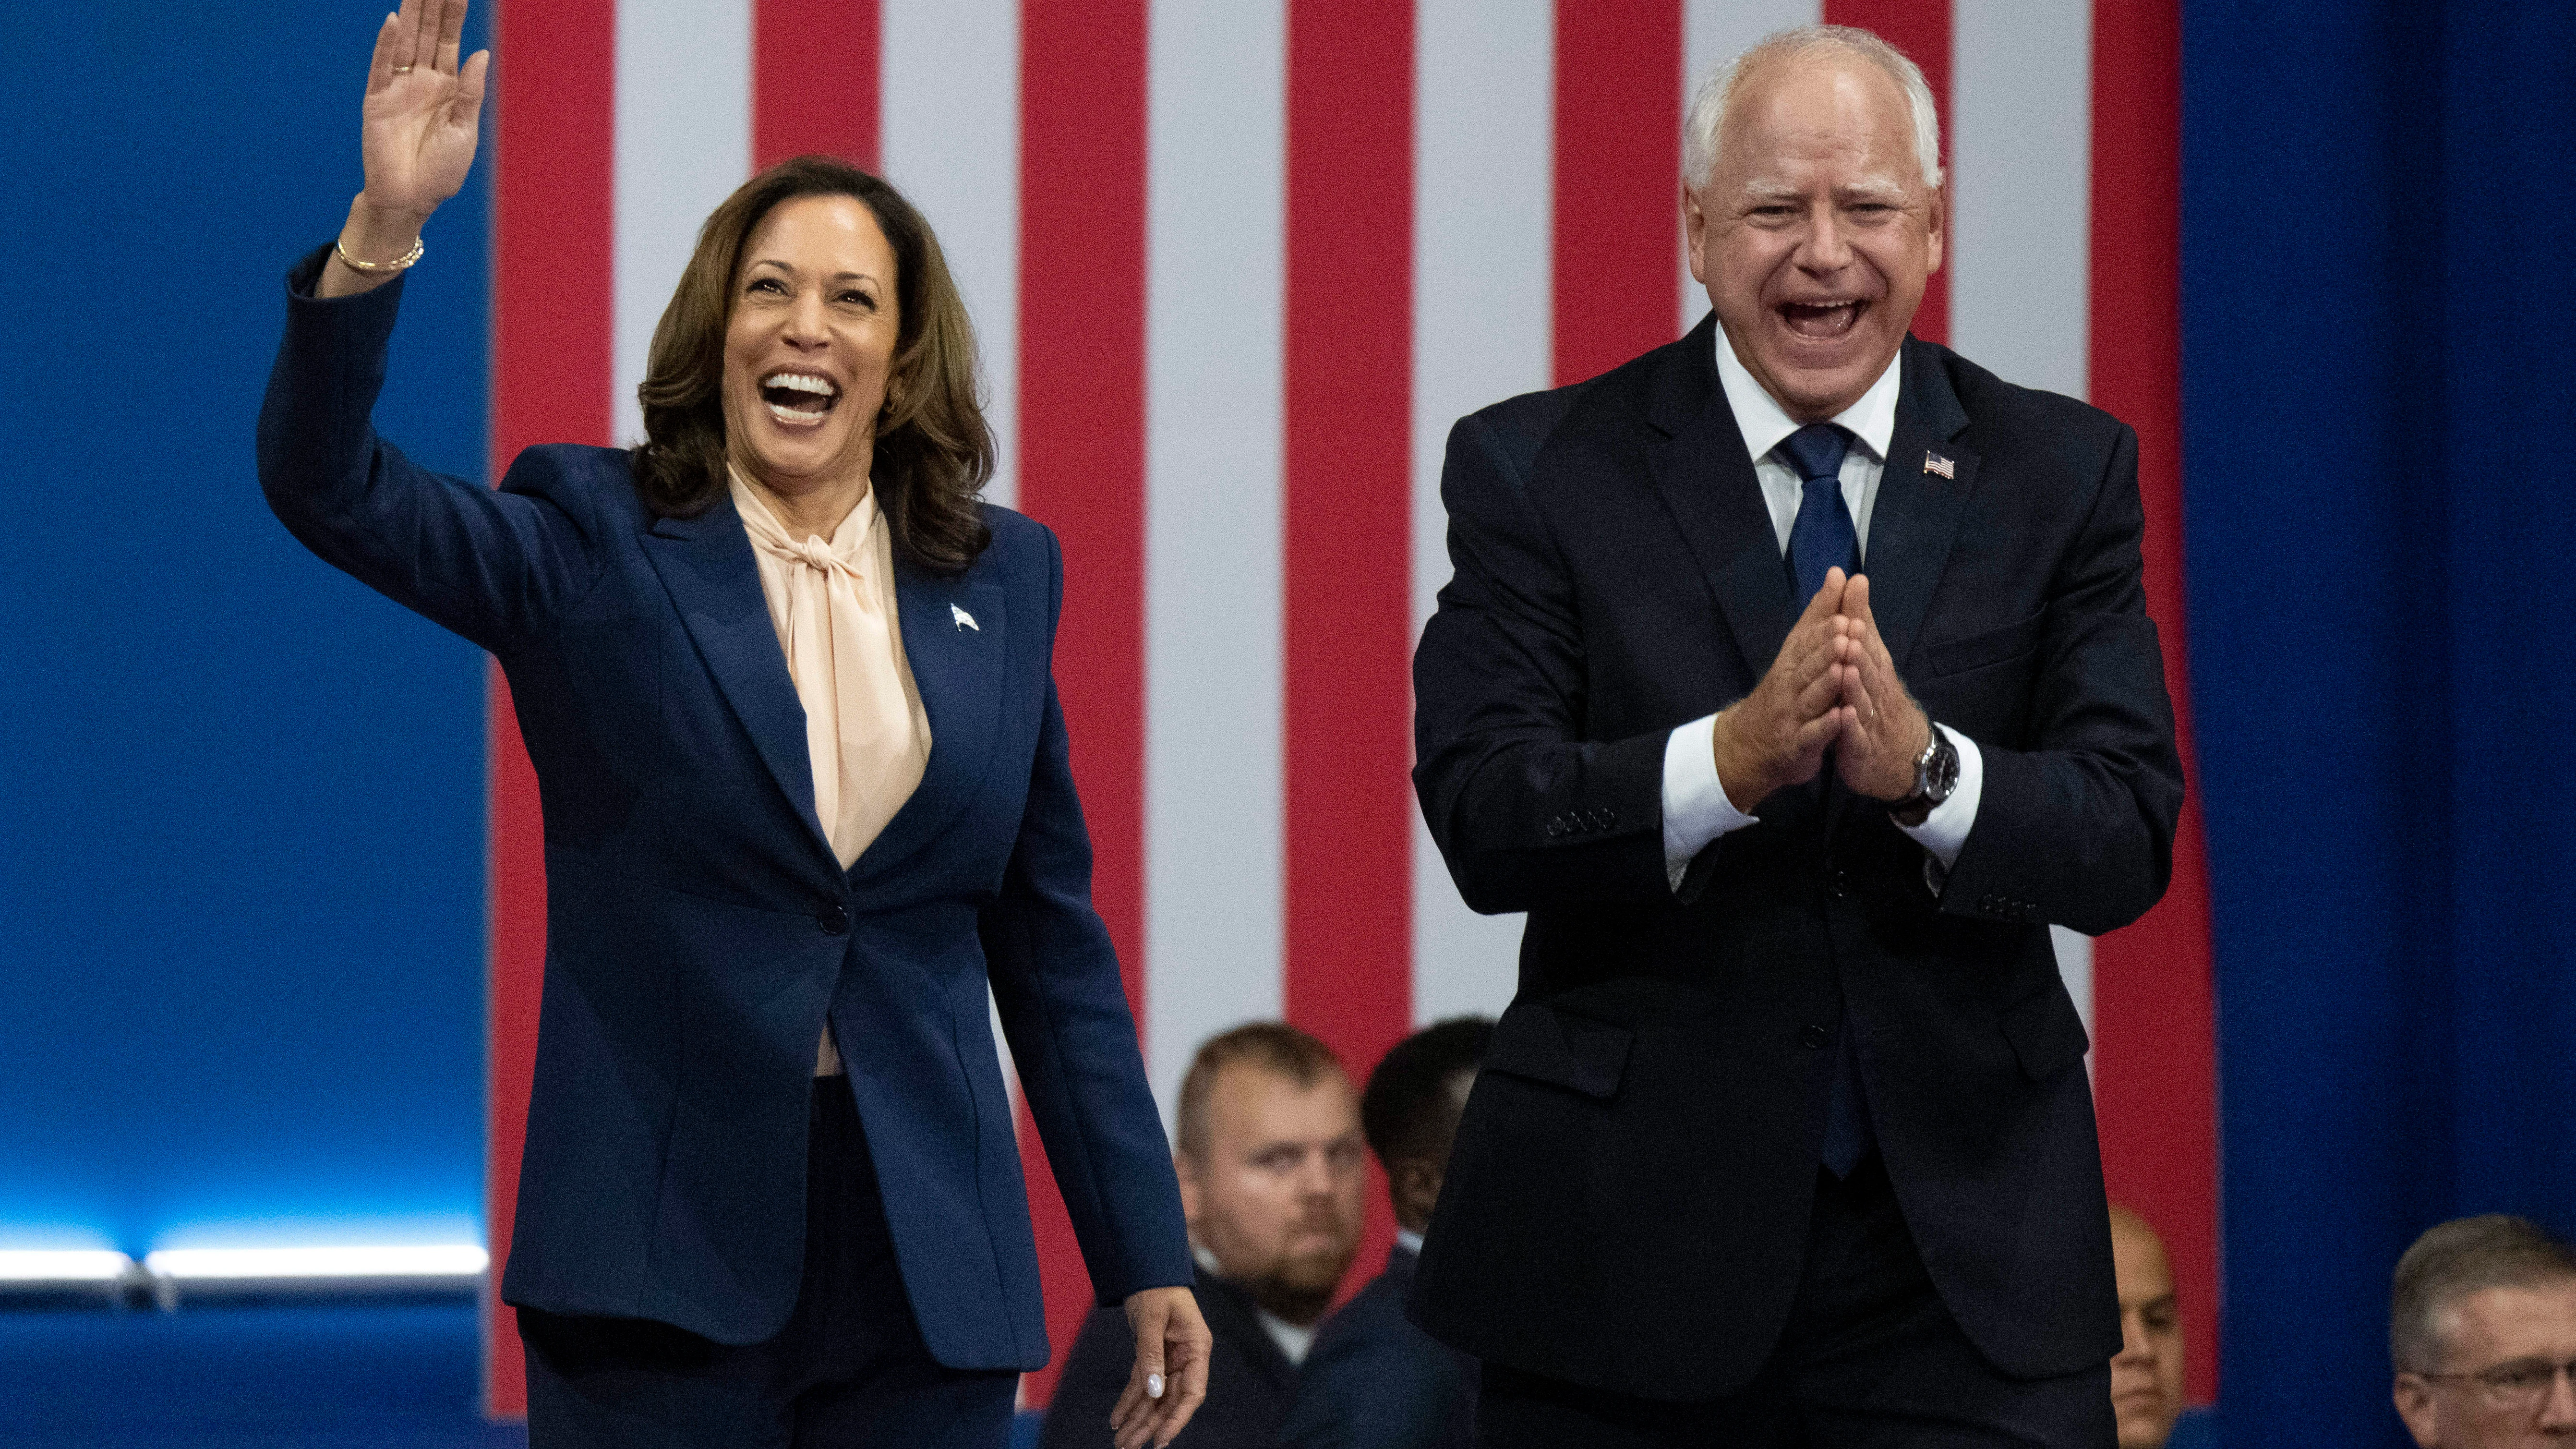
[(338, 1376)]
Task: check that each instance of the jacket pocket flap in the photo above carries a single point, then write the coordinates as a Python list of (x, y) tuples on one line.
[(1976, 651), (1574, 1052), (2046, 1034)]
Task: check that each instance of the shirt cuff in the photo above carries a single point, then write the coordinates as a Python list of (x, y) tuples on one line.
[(1696, 810), (1943, 831)]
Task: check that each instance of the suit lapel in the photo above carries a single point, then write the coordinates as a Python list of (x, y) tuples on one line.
[(1231, 1314), (1707, 483), (956, 638), (1916, 517), (706, 565)]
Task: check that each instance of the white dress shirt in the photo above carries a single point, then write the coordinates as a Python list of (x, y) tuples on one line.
[(1696, 810)]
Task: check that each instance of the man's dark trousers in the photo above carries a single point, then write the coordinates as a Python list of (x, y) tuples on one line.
[(1633, 1204), (1870, 1357)]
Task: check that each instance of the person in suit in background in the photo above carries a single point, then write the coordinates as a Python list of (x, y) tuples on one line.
[(2482, 1331), (1794, 677), (2146, 1374), (1375, 1381), (787, 683), (1272, 1170)]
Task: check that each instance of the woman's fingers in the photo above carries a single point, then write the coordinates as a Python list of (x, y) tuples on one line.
[(1189, 1367), (1128, 1398), (451, 34), (380, 65), (418, 44), (469, 85)]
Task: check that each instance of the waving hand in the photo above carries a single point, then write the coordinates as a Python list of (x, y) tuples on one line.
[(417, 132)]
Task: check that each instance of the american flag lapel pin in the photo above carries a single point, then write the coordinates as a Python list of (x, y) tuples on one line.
[(1935, 463), (965, 620)]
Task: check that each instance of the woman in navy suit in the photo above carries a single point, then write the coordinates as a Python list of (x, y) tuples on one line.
[(785, 681)]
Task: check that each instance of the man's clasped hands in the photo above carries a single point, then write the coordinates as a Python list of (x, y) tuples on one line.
[(1833, 687)]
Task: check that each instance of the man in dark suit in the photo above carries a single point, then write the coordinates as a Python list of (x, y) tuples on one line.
[(1375, 1381), (1792, 678), (1272, 1172)]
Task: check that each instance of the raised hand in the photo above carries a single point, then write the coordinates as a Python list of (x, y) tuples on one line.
[(1777, 735), (422, 110), (417, 130), (1883, 729)]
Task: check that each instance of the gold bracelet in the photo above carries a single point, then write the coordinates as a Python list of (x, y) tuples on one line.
[(400, 263)]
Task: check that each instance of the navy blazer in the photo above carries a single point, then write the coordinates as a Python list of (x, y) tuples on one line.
[(1628, 1201), (699, 930), (1375, 1381)]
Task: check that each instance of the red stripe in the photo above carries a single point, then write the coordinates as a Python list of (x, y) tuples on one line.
[(2155, 1072), (1618, 180), (1920, 28), (814, 80), (1082, 471), (552, 122), (1347, 476)]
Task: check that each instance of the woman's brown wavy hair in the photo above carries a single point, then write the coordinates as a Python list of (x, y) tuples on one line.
[(933, 451)]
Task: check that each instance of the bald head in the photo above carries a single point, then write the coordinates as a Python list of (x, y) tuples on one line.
[(2146, 1377)]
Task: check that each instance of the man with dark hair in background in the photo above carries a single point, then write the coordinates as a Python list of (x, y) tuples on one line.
[(1272, 1172), (2482, 1332), (1375, 1381)]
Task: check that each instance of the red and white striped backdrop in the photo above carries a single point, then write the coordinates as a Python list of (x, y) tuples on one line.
[(1236, 267)]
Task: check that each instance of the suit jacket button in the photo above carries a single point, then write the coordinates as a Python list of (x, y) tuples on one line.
[(1814, 1036), (1839, 886), (834, 920)]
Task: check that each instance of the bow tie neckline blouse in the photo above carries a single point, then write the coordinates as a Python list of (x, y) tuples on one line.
[(866, 733)]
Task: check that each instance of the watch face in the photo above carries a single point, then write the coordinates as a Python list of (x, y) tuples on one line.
[(1938, 773)]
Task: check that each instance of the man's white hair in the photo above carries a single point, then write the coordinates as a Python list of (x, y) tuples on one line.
[(1704, 125)]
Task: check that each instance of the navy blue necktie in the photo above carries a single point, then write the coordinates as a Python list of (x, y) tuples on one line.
[(1824, 538)]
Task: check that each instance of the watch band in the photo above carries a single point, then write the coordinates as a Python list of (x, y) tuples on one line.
[(1936, 775)]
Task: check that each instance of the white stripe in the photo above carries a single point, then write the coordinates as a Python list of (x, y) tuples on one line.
[(436, 1260), (2021, 122), (683, 144), (2075, 965), (952, 143), (1713, 33), (1482, 243), (62, 1265), (1215, 254), (2021, 136)]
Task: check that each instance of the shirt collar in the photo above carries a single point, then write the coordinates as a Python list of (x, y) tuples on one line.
[(1872, 419)]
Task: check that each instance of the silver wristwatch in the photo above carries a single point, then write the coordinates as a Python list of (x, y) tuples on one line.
[(1936, 774)]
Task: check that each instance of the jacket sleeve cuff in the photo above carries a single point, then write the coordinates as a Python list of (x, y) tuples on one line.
[(1944, 832), (1696, 810)]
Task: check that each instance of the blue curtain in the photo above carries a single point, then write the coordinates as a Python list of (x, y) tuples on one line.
[(241, 810), (2379, 359)]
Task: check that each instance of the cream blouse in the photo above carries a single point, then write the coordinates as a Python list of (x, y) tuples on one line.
[(866, 733)]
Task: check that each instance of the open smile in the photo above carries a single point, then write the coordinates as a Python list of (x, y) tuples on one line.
[(1822, 321), (799, 399)]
